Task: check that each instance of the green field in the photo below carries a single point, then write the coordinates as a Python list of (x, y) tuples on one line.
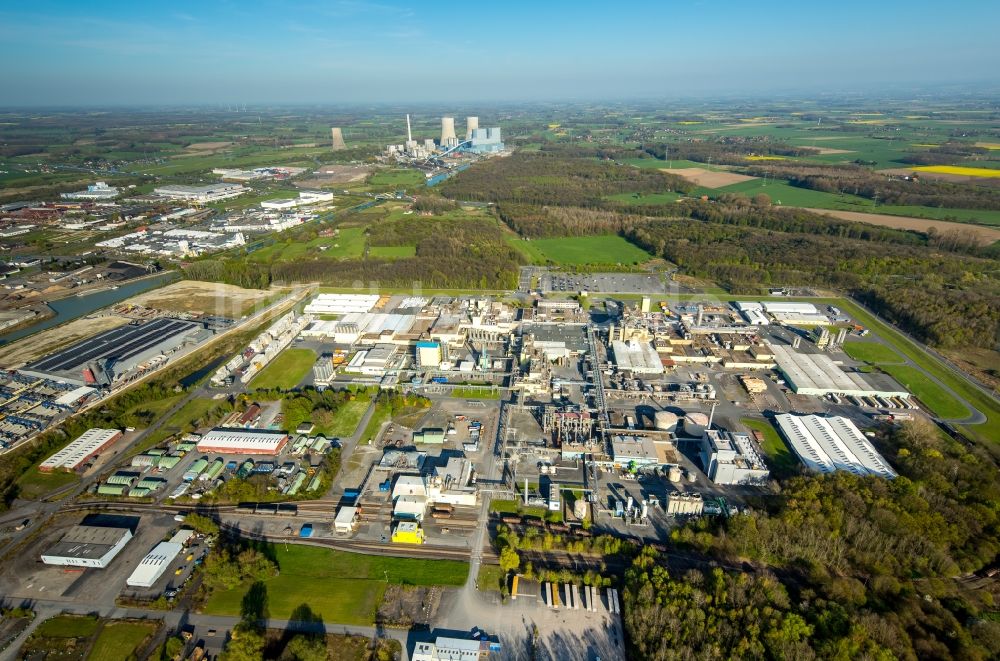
[(347, 418), (874, 353), (286, 371), (34, 484), (580, 250), (193, 411), (67, 626), (490, 578), (342, 587), (392, 252), (397, 179), (349, 243), (930, 393), (118, 640), (781, 459)]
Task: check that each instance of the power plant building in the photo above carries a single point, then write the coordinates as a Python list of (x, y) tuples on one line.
[(831, 444), (485, 141), (87, 546)]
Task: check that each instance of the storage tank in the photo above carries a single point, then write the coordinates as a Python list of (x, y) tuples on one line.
[(674, 474), (580, 508), (695, 424), (692, 476), (665, 421)]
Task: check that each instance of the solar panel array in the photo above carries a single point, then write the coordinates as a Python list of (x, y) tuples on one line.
[(118, 344)]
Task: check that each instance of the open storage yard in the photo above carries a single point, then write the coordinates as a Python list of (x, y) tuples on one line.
[(211, 298)]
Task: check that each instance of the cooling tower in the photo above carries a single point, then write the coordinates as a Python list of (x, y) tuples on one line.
[(471, 124), (447, 129), (338, 139)]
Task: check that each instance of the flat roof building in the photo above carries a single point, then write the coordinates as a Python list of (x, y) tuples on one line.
[(89, 444), (209, 193), (98, 191), (830, 444), (341, 303), (108, 355), (730, 458), (638, 357), (454, 649), (152, 566), (222, 440), (87, 546), (817, 374)]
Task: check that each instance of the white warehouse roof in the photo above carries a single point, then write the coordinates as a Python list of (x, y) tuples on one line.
[(638, 357), (800, 308), (153, 565), (77, 452), (829, 444), (242, 441), (817, 374), (341, 303)]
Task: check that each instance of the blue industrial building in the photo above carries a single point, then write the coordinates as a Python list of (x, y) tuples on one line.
[(485, 141)]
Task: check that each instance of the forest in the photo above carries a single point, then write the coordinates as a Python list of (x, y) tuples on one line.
[(840, 566)]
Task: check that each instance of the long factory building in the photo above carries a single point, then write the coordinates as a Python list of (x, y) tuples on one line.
[(830, 444), (817, 374), (222, 440), (108, 355), (87, 546), (91, 443)]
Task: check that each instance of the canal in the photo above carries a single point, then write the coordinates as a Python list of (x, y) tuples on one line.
[(73, 307)]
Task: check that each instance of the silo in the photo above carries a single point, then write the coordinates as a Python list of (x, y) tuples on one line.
[(337, 137), (447, 129), (674, 474), (695, 424), (665, 421), (693, 477), (471, 124)]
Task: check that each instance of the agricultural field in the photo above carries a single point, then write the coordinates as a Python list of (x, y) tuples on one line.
[(714, 179), (344, 587), (286, 371), (392, 252), (960, 171), (583, 250)]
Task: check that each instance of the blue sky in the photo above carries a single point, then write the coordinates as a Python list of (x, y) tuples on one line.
[(100, 52)]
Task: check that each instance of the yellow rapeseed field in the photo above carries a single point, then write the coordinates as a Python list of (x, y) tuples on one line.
[(766, 158), (959, 170)]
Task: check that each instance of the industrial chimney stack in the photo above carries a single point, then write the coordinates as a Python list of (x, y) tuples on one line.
[(338, 139)]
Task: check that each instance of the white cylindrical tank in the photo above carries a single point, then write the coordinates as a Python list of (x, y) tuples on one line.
[(580, 508), (665, 421), (695, 424), (674, 474), (692, 476)]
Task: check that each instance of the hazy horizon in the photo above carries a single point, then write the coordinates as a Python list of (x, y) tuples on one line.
[(114, 53)]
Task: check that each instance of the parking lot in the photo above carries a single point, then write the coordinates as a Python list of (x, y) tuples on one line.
[(605, 283)]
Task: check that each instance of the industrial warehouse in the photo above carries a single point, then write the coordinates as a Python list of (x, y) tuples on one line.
[(243, 441), (80, 451), (87, 546), (831, 444), (114, 354), (817, 374)]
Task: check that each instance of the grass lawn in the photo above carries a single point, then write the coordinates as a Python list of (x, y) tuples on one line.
[(118, 640), (515, 507), (490, 578), (929, 392), (34, 484), (610, 249), (781, 459), (342, 587), (473, 392), (194, 410), (392, 252), (67, 626), (286, 371), (347, 418), (349, 243), (871, 352), (396, 179)]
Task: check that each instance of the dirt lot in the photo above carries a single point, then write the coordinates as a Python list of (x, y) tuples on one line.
[(35, 346), (708, 178), (985, 235), (823, 151), (204, 297), (329, 175), (407, 605)]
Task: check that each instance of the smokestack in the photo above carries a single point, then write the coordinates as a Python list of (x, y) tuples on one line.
[(338, 139), (701, 312), (471, 124), (447, 129), (525, 491), (711, 416), (409, 136)]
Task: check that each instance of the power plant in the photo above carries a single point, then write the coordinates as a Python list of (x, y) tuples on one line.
[(337, 137), (471, 124), (448, 138)]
